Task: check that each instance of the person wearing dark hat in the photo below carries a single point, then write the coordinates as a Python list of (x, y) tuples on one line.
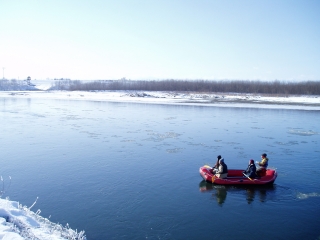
[(251, 169), (262, 165), (222, 171)]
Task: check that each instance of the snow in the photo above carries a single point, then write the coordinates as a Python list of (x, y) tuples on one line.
[(182, 98), (299, 102), (20, 222)]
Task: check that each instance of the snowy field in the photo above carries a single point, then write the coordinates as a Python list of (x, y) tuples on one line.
[(20, 222)]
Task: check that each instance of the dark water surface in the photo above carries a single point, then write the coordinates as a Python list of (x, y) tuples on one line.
[(131, 171)]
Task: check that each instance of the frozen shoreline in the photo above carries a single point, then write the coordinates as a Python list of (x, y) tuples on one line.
[(20, 222), (178, 98)]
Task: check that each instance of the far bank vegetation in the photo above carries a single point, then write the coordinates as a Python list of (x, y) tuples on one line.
[(223, 86)]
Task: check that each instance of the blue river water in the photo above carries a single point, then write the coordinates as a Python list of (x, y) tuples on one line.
[(131, 171)]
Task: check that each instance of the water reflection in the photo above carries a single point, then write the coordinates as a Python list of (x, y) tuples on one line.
[(250, 192), (221, 195)]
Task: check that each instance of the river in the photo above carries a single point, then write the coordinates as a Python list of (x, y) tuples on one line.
[(131, 170)]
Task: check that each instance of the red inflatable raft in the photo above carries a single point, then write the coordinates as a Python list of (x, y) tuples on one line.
[(236, 177)]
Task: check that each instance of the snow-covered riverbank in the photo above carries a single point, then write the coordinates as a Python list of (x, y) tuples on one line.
[(184, 98), (20, 222)]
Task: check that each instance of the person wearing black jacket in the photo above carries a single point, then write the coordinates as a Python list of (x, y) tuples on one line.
[(251, 170)]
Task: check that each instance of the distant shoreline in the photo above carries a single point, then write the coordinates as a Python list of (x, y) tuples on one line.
[(182, 98)]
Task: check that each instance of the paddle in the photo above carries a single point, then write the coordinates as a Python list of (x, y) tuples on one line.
[(207, 166), (248, 176)]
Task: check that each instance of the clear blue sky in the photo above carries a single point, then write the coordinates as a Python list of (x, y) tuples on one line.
[(160, 39)]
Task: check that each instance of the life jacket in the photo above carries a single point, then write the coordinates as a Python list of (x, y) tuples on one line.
[(266, 162)]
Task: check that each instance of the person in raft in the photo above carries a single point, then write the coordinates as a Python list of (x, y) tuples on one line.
[(217, 163), (216, 166), (222, 171), (251, 169), (262, 165)]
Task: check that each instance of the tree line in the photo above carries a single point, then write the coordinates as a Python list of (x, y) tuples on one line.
[(222, 86), (235, 86)]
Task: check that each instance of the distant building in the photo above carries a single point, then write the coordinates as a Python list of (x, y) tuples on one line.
[(29, 81)]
